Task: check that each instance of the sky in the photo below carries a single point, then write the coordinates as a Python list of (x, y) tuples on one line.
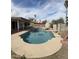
[(43, 9)]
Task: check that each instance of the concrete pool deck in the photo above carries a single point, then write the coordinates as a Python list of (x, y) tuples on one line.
[(35, 50)]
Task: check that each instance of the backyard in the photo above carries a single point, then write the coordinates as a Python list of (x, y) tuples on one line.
[(62, 53)]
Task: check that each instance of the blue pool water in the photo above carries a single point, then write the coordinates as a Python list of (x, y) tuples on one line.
[(37, 36)]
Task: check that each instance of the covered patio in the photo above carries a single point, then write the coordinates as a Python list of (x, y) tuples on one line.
[(18, 24)]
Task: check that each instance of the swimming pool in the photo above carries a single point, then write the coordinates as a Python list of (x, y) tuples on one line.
[(37, 36)]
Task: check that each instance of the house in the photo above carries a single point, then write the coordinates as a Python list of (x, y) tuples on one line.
[(19, 23)]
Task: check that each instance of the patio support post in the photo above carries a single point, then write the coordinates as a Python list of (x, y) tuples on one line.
[(18, 25), (23, 26)]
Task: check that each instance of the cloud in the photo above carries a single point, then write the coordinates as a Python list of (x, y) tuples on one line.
[(44, 9), (29, 3)]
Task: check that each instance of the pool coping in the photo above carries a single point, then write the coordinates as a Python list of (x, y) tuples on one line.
[(35, 50)]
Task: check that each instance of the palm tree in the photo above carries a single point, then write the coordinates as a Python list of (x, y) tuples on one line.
[(66, 5), (35, 15)]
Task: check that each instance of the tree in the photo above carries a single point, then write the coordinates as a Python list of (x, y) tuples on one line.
[(44, 22), (54, 22), (32, 21), (60, 21)]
